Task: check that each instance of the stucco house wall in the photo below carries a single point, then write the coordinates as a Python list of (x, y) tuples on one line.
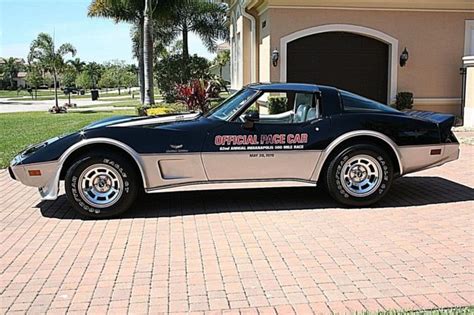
[(433, 32), (434, 40)]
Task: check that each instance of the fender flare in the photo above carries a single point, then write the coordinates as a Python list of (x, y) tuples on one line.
[(135, 156), (370, 133), (51, 190)]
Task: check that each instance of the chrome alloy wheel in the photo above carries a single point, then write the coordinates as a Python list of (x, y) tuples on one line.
[(361, 175), (100, 185)]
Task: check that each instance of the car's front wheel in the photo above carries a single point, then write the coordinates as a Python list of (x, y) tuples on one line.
[(359, 175), (101, 185)]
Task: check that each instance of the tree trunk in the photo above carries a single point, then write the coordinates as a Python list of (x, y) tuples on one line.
[(141, 63), (185, 52), (220, 71), (55, 79), (148, 55)]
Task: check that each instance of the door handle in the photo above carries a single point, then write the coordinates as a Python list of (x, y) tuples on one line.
[(316, 120)]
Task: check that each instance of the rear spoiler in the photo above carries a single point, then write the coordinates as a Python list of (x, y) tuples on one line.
[(444, 121)]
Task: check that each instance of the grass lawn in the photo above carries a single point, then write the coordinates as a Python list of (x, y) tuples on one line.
[(18, 130), (46, 95), (119, 103), (62, 96), (14, 93), (446, 311)]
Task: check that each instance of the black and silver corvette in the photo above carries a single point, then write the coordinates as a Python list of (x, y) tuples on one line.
[(266, 135)]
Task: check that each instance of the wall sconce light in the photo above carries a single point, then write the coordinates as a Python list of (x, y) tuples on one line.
[(275, 57), (404, 57)]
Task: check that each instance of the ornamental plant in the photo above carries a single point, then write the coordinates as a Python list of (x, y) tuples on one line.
[(158, 111), (277, 104), (404, 100), (194, 95)]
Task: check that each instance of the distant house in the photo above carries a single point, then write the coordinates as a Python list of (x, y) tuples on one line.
[(215, 69), (17, 60), (20, 79), (358, 46)]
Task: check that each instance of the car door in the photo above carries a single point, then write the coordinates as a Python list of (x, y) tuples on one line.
[(270, 150)]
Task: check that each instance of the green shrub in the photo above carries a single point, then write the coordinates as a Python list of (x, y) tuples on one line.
[(170, 72), (277, 104), (142, 110), (171, 108), (404, 100)]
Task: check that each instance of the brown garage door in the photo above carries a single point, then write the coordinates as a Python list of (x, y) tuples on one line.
[(348, 61)]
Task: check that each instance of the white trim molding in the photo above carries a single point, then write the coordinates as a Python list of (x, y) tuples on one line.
[(437, 101), (468, 37), (350, 28), (253, 41), (366, 8), (468, 61)]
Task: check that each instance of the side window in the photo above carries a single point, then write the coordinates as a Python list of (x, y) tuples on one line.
[(285, 108), (356, 103), (306, 106)]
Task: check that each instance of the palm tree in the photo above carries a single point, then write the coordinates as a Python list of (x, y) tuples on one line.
[(129, 11), (141, 13), (77, 63), (10, 68), (43, 51), (207, 19), (148, 52), (222, 58), (94, 70), (162, 38)]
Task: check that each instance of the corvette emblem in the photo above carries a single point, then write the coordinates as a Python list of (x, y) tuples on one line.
[(176, 146)]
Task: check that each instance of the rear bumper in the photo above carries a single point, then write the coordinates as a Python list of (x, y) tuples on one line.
[(417, 158)]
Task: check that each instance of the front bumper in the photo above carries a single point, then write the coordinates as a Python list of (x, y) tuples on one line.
[(10, 172), (47, 182)]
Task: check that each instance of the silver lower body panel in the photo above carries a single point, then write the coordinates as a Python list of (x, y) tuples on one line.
[(241, 184), (420, 157), (170, 172)]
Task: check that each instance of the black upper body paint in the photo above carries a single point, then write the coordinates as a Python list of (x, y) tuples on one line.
[(198, 134)]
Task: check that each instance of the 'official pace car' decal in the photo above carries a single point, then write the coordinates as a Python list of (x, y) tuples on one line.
[(292, 141)]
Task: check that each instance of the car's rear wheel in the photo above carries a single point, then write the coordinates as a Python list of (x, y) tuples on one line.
[(359, 175), (101, 185)]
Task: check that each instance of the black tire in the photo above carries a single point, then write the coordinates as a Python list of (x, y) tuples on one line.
[(113, 163), (340, 166)]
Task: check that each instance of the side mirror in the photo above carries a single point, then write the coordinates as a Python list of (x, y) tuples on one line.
[(250, 119)]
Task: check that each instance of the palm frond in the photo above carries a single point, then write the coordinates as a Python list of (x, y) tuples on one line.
[(118, 10), (65, 49), (210, 23)]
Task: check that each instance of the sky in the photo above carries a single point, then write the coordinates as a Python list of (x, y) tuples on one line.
[(96, 39)]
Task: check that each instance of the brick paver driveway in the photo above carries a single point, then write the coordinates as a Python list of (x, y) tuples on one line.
[(279, 250)]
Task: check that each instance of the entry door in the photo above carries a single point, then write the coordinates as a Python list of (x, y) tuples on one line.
[(348, 61), (268, 151)]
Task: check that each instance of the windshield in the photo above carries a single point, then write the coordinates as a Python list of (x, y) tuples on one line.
[(231, 105)]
